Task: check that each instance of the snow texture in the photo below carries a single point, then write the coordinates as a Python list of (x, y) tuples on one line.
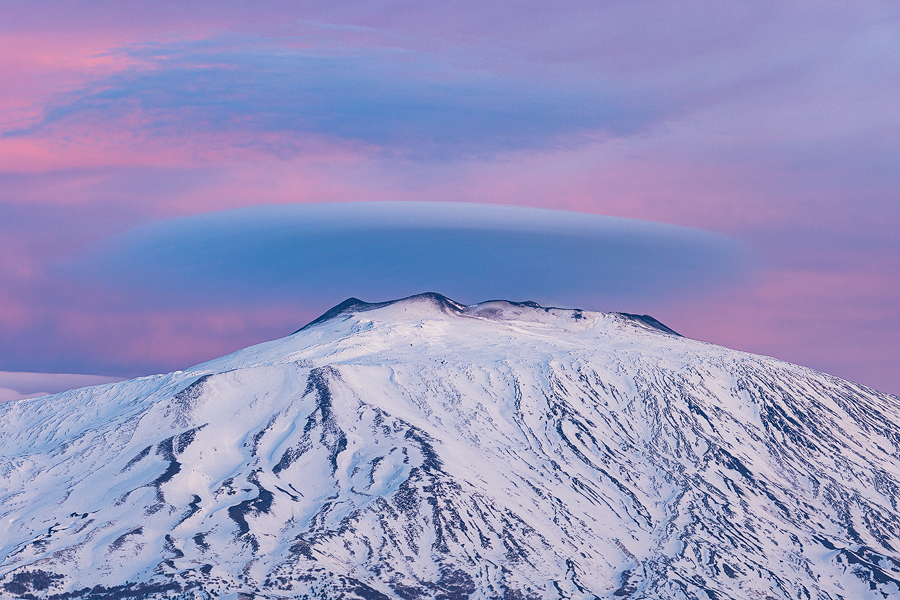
[(425, 449)]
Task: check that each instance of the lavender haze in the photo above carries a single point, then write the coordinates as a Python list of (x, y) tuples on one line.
[(771, 126)]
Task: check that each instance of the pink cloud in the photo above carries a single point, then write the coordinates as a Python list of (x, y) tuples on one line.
[(175, 339), (841, 322)]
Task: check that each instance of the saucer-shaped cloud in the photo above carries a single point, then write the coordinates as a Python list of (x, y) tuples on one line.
[(319, 254)]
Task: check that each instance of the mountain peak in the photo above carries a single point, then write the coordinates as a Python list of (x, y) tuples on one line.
[(427, 301), (434, 305), (423, 448)]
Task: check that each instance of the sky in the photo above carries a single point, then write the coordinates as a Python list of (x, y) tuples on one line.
[(180, 180)]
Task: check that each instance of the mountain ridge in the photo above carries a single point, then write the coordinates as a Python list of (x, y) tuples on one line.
[(428, 449), (351, 306)]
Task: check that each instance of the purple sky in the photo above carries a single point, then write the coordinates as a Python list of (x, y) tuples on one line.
[(773, 125)]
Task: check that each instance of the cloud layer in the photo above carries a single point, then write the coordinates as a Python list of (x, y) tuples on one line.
[(319, 254), (284, 95)]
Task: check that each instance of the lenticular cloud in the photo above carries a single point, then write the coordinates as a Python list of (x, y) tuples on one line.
[(318, 252)]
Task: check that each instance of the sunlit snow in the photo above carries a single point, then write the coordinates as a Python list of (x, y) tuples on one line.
[(426, 449)]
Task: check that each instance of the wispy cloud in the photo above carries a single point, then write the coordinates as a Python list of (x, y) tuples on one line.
[(282, 93)]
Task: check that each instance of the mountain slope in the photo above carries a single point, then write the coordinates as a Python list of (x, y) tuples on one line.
[(425, 449)]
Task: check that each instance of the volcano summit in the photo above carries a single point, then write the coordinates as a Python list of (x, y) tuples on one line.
[(425, 449)]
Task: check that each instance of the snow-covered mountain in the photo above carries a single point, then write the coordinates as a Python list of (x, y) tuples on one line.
[(426, 449)]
